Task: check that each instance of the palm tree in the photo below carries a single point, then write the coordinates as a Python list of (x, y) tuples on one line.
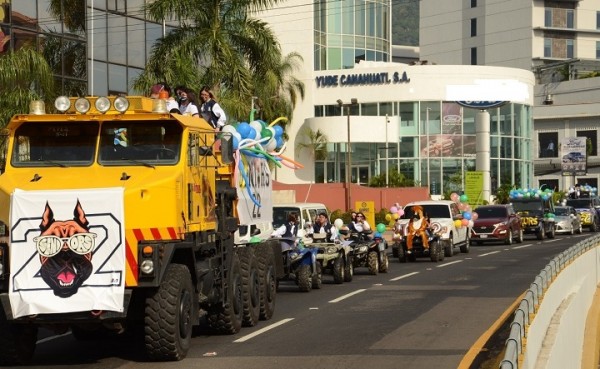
[(217, 41), (219, 45), (278, 89), (24, 76), (314, 141)]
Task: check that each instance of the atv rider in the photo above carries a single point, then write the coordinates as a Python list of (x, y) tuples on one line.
[(322, 225), (288, 230)]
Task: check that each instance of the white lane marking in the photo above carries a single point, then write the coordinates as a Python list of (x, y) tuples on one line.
[(47, 339), (450, 263), (346, 296), (522, 246), (489, 253), (403, 276), (263, 330)]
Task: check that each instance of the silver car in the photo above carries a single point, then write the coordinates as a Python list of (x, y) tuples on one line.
[(567, 220)]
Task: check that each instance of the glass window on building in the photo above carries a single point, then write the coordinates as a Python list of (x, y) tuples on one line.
[(547, 47), (333, 110), (407, 117), (505, 121), (348, 16), (359, 18), (369, 109), (548, 17), (408, 147), (570, 48), (473, 27), (469, 121), (592, 136), (597, 20), (386, 108), (549, 183), (494, 147), (319, 111), (334, 58), (473, 56), (548, 145), (319, 172), (435, 177), (506, 147), (597, 49), (430, 115), (570, 18), (348, 58), (409, 169), (473, 3), (506, 171), (590, 181)]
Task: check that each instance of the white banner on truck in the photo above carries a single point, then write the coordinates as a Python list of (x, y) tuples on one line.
[(67, 251)]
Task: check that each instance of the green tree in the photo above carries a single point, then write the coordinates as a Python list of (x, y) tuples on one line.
[(502, 195), (395, 179), (313, 141), (219, 45), (24, 76)]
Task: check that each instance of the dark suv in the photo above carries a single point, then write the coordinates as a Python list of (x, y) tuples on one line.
[(497, 223), (588, 208), (536, 216)]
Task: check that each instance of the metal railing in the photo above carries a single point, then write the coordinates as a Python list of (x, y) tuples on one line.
[(535, 293)]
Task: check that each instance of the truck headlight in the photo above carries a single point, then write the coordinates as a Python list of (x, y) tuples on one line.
[(121, 104), (102, 104), (62, 104), (82, 105)]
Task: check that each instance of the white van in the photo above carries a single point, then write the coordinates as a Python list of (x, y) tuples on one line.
[(307, 212)]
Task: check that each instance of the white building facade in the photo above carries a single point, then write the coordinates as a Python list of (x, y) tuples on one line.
[(406, 117)]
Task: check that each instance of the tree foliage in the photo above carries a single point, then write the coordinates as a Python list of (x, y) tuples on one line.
[(24, 76), (219, 45), (395, 179), (313, 141), (405, 27)]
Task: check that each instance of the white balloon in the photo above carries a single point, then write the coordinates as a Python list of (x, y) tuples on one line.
[(256, 125), (270, 145), (338, 223), (229, 128)]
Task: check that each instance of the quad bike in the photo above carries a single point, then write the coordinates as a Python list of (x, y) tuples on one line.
[(435, 251), (300, 264), (335, 257), (369, 252)]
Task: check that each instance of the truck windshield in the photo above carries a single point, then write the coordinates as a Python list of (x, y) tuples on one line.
[(140, 143), (580, 203), (62, 144), (431, 211)]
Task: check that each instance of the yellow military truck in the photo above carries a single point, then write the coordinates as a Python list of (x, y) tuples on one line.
[(116, 214)]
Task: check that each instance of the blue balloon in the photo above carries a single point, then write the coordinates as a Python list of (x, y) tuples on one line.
[(244, 129), (236, 142), (279, 141), (467, 215), (278, 131)]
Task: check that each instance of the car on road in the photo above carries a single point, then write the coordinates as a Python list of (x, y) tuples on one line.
[(588, 208), (496, 223), (535, 216), (567, 220)]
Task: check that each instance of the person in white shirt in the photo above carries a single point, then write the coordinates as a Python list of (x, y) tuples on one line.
[(211, 111), (288, 230), (322, 225), (187, 101), (361, 224)]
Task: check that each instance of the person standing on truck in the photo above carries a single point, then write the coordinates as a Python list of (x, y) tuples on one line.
[(187, 101), (211, 111), (155, 93), (322, 225)]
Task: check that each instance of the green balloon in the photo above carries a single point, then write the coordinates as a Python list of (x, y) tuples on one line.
[(464, 198), (266, 133), (380, 227)]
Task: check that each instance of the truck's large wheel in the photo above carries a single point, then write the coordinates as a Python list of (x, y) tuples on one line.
[(401, 255), (304, 278), (448, 248), (17, 342), (268, 280), (226, 316), (373, 262), (250, 286), (317, 277), (339, 271), (168, 316), (385, 263), (541, 233)]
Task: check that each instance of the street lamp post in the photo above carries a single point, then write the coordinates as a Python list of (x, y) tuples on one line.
[(387, 154), (353, 102)]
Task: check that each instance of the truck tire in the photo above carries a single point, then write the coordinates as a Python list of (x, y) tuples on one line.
[(339, 270), (551, 234), (317, 277), (593, 227), (268, 280), (348, 269), (17, 342), (466, 247), (226, 316), (168, 316), (401, 255), (304, 278), (384, 265), (541, 234), (448, 248), (250, 286), (395, 247), (373, 262)]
